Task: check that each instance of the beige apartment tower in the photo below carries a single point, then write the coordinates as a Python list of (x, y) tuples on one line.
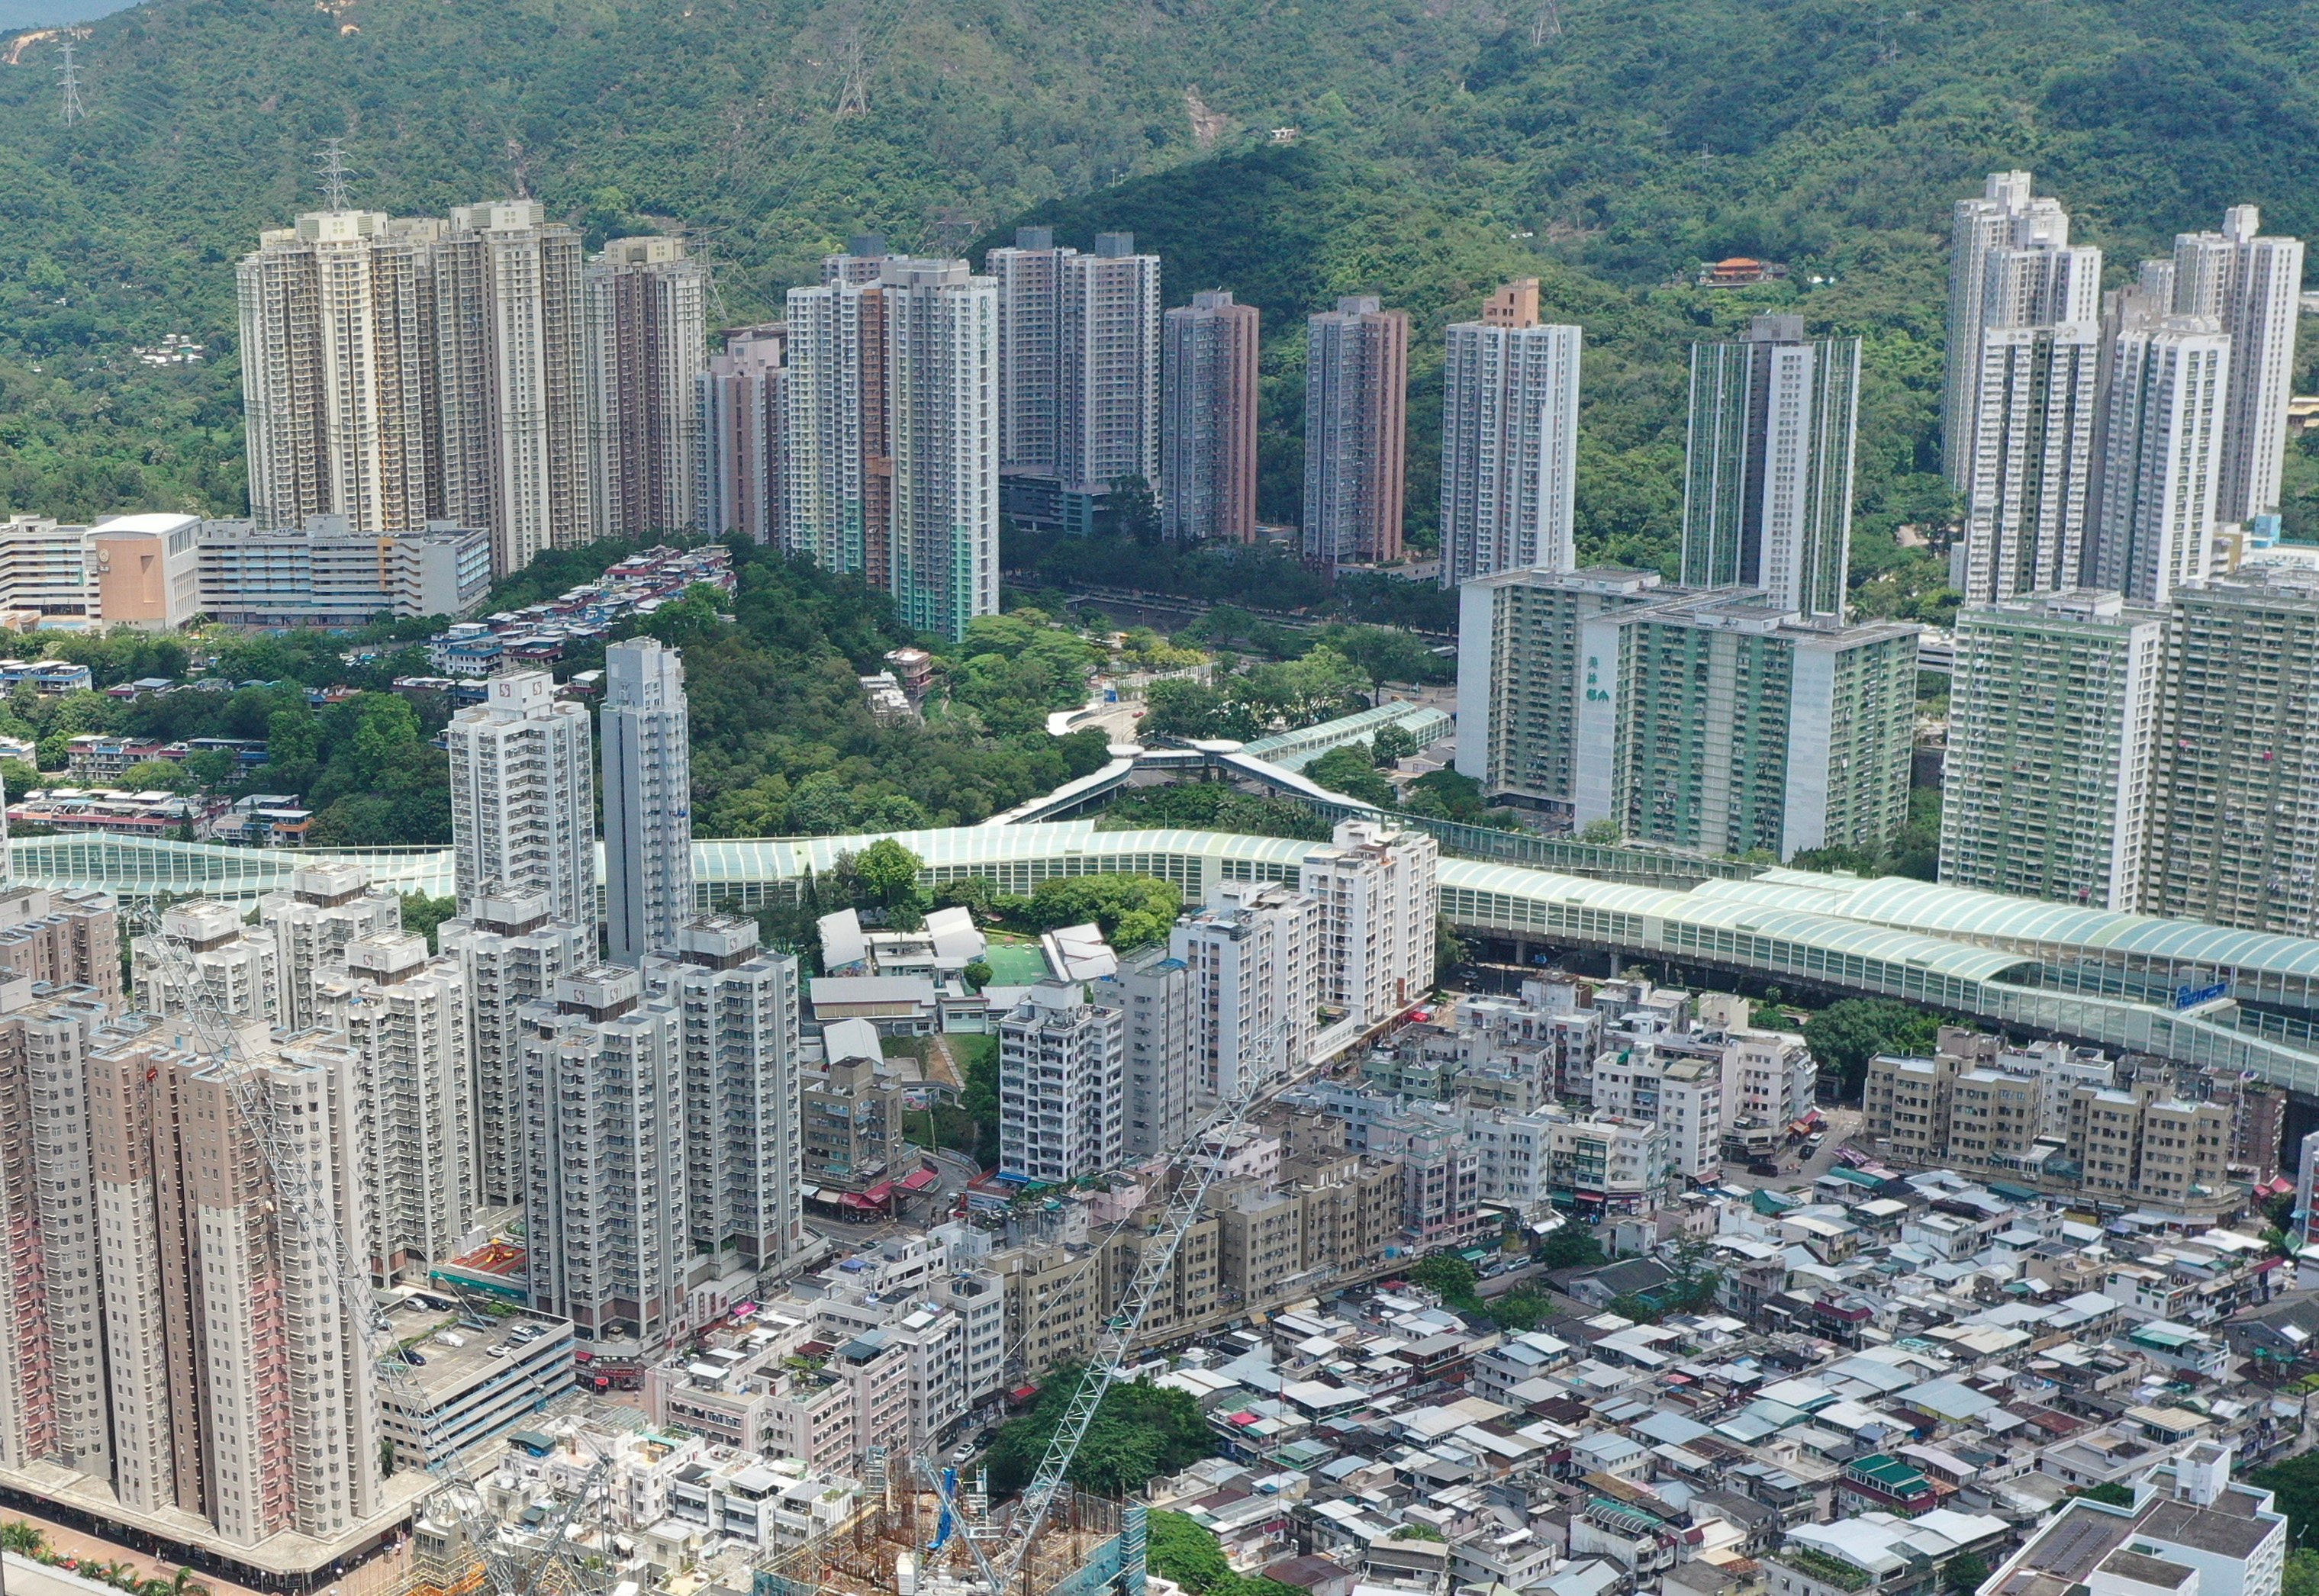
[(337, 370), (397, 371), (1355, 414)]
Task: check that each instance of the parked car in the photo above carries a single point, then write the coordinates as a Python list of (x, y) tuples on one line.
[(1763, 1167)]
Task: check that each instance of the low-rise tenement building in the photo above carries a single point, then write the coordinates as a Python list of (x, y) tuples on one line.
[(2129, 1132)]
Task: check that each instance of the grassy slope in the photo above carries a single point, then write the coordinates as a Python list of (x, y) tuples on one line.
[(1650, 134)]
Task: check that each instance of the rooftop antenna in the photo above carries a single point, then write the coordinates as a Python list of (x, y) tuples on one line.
[(69, 76), (334, 175)]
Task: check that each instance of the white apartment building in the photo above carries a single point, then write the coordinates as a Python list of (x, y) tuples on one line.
[(1254, 952), (1517, 1155), (1061, 1084), (2006, 215), (2253, 286), (942, 358), (205, 953), (603, 1120), (325, 571), (523, 805), (1610, 1165), (836, 437), (45, 570), (511, 953), (1108, 349), (402, 1018), (1508, 440), (2055, 751), (647, 800), (326, 907), (1680, 1092), (744, 1144), (2033, 457), (1379, 902), (2160, 453), (647, 336), (1768, 1076), (1153, 992)]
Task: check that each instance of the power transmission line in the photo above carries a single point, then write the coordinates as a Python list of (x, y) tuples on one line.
[(69, 76)]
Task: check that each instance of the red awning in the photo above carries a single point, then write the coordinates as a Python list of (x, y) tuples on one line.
[(877, 1195), (917, 1180)]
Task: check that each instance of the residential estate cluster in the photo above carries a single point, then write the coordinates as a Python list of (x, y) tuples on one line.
[(642, 1205)]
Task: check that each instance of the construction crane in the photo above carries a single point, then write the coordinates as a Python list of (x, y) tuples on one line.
[(1210, 1148), (508, 1569)]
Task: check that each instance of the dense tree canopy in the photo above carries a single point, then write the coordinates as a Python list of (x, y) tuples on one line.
[(1142, 1431)]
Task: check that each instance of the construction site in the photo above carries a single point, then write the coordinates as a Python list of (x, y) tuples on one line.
[(911, 1542)]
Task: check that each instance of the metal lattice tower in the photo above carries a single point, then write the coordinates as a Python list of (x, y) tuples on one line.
[(68, 79), (334, 175), (854, 99)]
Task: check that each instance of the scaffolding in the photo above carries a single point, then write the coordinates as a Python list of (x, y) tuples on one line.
[(1089, 1546)]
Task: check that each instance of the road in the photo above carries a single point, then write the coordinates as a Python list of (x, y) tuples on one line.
[(1843, 1125)]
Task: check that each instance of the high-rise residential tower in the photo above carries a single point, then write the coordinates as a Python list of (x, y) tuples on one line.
[(1078, 374), (1767, 478), (1254, 954), (511, 348), (1153, 991), (2006, 215), (2028, 505), (744, 1144), (606, 1211), (523, 810), (326, 907), (1356, 409), (1508, 440), (2231, 841), (648, 322), (339, 372), (744, 400), (1108, 337), (1060, 1079), (398, 371), (1522, 677), (942, 354), (838, 470), (1029, 278), (647, 800), (2253, 286), (1378, 905), (1727, 724), (403, 1018), (204, 955), (2159, 451), (1207, 468), (511, 952), (241, 1389), (2025, 461), (2052, 777)]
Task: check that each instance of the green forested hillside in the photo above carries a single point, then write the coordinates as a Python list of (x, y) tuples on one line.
[(1441, 145)]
